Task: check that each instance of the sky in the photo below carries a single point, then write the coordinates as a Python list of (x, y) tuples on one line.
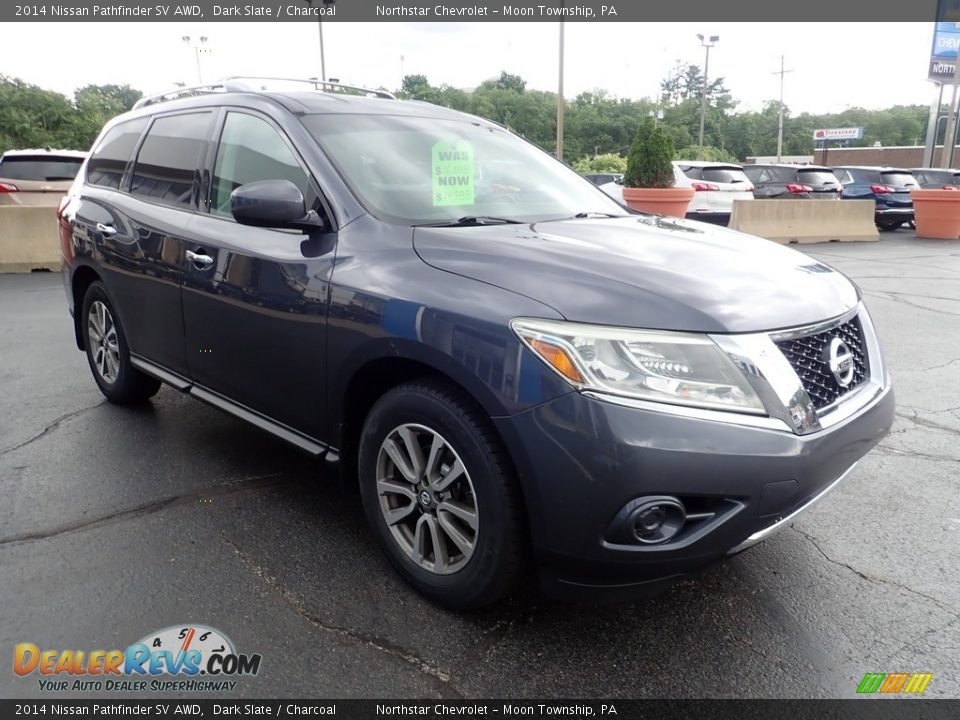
[(834, 65)]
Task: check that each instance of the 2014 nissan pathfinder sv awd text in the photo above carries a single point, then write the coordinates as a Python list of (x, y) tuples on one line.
[(514, 368)]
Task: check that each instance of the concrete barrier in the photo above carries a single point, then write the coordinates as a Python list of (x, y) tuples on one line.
[(29, 239), (805, 221)]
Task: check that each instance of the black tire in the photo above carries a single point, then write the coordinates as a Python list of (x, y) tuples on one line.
[(889, 225), (122, 383), (499, 551)]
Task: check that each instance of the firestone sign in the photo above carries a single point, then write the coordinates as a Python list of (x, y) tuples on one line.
[(854, 133)]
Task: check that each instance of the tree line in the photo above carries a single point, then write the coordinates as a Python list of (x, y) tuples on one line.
[(597, 124)]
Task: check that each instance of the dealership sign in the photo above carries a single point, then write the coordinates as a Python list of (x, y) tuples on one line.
[(946, 42), (854, 133)]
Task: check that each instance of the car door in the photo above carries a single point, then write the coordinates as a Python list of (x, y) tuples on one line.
[(255, 299), (138, 219)]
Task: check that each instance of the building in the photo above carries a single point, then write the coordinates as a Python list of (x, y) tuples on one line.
[(904, 156)]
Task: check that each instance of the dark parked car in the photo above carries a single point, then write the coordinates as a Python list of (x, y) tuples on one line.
[(936, 177), (888, 187), (514, 368), (793, 182)]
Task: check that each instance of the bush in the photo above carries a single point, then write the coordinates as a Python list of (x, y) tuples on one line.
[(650, 162), (606, 163)]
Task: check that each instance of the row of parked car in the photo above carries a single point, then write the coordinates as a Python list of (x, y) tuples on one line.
[(717, 185)]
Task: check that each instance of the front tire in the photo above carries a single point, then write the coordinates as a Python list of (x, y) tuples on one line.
[(440, 494), (107, 351)]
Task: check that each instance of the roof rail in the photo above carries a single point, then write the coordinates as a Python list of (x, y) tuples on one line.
[(317, 84), (240, 83), (226, 85)]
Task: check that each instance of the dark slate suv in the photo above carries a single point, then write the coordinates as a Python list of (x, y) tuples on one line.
[(515, 369)]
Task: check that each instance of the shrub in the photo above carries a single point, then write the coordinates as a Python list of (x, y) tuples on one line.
[(649, 163), (606, 163)]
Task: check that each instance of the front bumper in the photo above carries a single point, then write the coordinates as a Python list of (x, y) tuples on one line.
[(582, 460)]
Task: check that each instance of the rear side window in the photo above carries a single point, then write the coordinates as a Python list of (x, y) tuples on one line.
[(109, 159), (251, 149), (39, 167), (724, 175), (166, 168)]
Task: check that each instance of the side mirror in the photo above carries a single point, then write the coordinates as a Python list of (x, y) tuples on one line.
[(272, 204)]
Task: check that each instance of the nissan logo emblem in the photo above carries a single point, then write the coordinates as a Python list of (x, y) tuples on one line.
[(840, 360)]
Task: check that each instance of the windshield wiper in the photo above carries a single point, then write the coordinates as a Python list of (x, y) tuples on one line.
[(473, 220)]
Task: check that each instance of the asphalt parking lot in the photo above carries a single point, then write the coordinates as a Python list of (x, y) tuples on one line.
[(115, 522)]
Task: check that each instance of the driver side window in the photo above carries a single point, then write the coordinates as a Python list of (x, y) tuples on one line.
[(251, 149)]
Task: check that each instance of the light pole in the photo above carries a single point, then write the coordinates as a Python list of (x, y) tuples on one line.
[(781, 72), (323, 65), (706, 43), (196, 52)]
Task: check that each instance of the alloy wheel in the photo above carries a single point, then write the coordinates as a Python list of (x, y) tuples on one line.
[(427, 499), (104, 345)]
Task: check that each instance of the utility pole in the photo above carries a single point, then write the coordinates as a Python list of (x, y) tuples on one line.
[(781, 73), (703, 100), (560, 101)]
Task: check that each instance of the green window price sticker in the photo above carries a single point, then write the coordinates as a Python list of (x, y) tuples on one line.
[(453, 172)]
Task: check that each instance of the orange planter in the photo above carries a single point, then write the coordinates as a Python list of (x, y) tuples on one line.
[(937, 213), (660, 201)]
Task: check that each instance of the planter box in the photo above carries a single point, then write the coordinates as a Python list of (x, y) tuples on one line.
[(937, 213), (659, 201)]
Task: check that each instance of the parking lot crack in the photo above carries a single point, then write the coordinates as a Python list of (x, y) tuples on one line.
[(874, 579), (247, 485), (56, 423), (369, 640), (899, 298), (889, 450), (923, 637), (918, 419)]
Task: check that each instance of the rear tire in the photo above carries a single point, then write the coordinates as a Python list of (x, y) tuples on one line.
[(440, 494), (107, 351), (889, 225)]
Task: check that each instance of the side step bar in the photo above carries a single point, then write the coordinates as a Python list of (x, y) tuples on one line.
[(294, 437)]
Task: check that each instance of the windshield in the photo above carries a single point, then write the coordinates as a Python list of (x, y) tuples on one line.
[(423, 170), (27, 167)]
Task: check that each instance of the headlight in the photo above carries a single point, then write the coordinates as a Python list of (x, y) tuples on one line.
[(668, 367)]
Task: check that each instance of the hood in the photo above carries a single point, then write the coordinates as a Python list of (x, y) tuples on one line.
[(646, 272)]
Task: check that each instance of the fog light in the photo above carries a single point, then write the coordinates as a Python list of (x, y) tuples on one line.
[(656, 520)]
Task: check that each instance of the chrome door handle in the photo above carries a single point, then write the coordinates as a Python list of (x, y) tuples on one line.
[(106, 229), (199, 259)]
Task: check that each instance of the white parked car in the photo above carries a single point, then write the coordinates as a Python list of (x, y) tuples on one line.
[(37, 177), (716, 185)]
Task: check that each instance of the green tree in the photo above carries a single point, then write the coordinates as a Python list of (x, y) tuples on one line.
[(650, 162)]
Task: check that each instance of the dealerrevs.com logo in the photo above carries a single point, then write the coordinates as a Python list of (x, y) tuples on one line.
[(177, 658)]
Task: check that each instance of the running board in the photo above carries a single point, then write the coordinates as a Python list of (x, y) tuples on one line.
[(170, 378), (279, 430)]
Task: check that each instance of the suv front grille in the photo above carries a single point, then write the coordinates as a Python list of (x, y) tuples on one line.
[(808, 356)]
